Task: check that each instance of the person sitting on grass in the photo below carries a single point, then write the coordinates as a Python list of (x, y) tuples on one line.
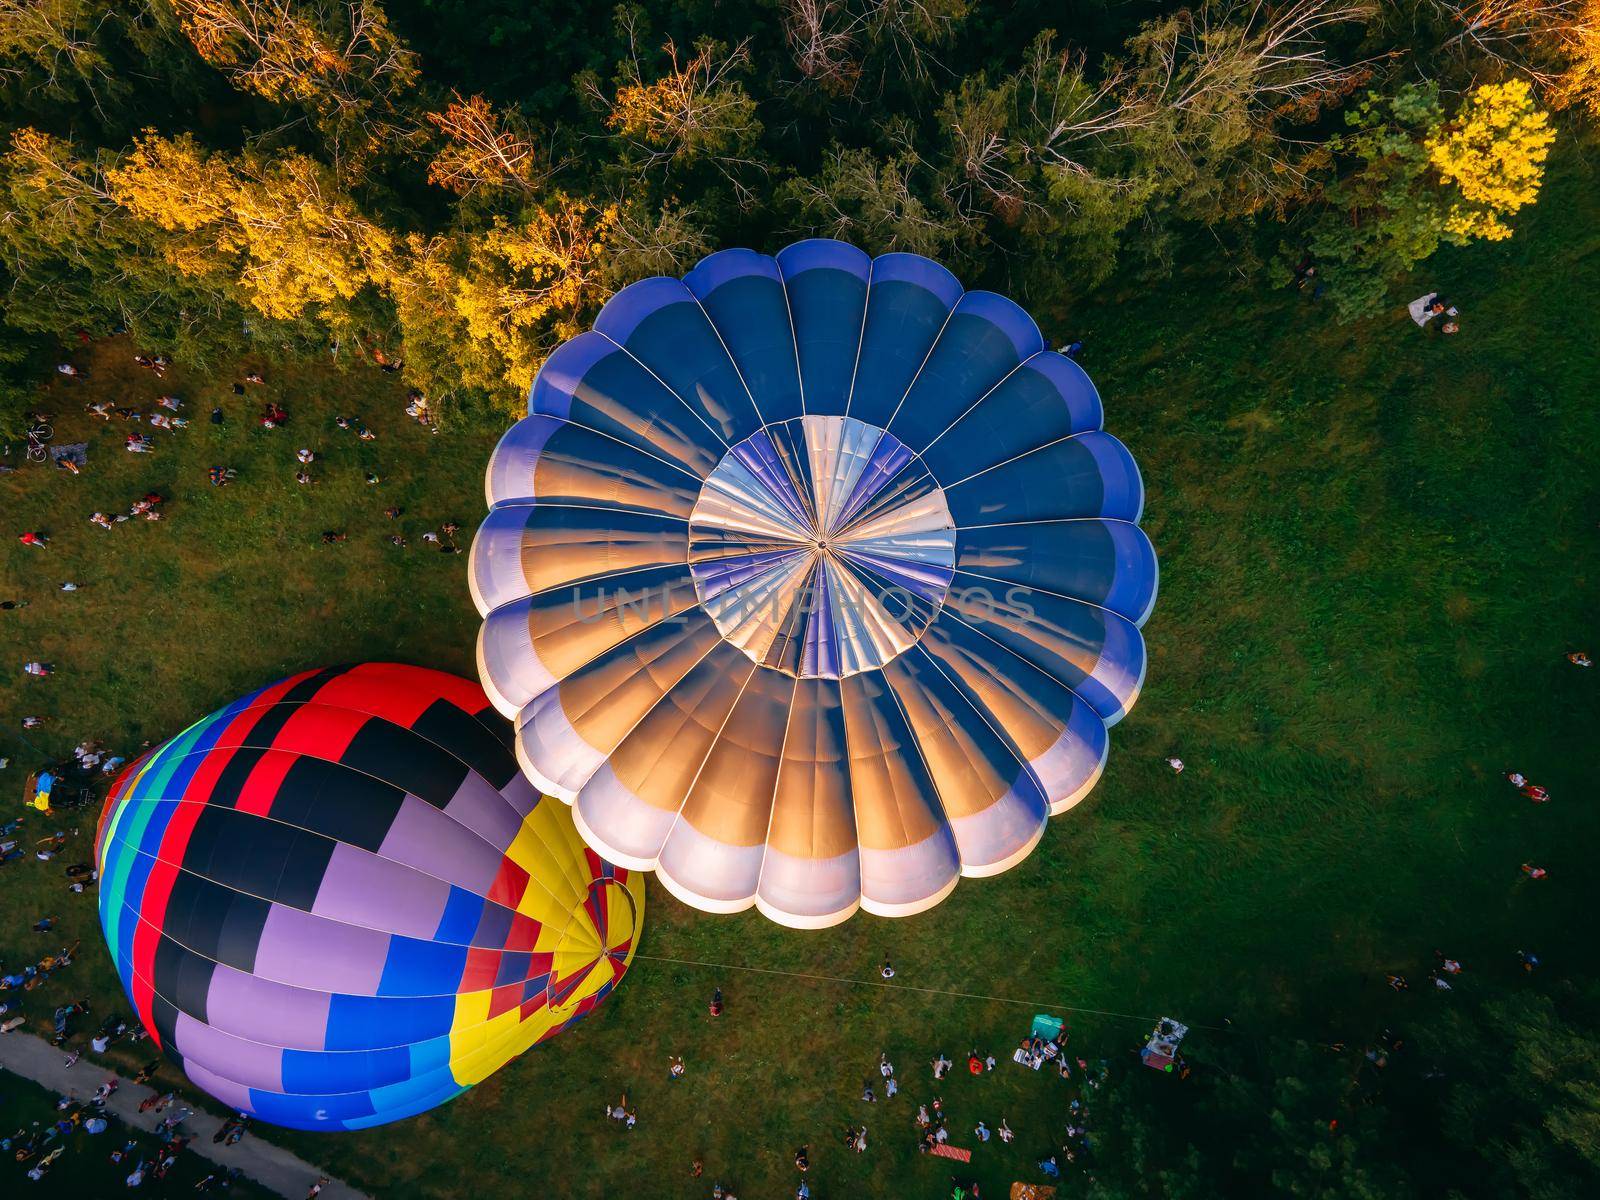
[(221, 476)]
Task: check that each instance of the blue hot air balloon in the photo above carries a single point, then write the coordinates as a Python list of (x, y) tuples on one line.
[(812, 581)]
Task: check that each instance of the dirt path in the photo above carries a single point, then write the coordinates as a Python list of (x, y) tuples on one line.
[(270, 1166)]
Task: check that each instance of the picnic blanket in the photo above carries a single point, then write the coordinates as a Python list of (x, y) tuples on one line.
[(74, 452), (946, 1150), (1032, 1191)]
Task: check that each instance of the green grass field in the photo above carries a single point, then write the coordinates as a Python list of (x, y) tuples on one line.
[(1377, 547)]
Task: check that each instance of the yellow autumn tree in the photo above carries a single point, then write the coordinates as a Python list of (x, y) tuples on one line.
[(1494, 154), (1577, 43), (525, 286), (177, 185), (292, 240)]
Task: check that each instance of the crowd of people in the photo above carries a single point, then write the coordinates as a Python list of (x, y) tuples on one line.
[(39, 1146), (34, 975), (273, 415), (932, 1118), (60, 786)]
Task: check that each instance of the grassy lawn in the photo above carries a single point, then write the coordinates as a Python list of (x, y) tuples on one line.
[(1377, 547)]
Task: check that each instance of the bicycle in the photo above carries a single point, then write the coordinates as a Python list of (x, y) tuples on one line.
[(38, 436)]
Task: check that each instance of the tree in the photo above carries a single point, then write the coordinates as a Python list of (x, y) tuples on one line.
[(1556, 43), (822, 35), (873, 202), (829, 38), (79, 260), (338, 59), (525, 287), (697, 109), (1493, 153), (421, 281), (1520, 1102), (59, 39), (293, 243), (1417, 180), (1576, 43), (644, 241), (484, 148)]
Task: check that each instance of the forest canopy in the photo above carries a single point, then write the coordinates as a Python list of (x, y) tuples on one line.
[(459, 186)]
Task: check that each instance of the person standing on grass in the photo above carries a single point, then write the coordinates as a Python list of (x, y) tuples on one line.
[(887, 970)]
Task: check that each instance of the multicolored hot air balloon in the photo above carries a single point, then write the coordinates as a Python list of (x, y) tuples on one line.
[(812, 582), (337, 902)]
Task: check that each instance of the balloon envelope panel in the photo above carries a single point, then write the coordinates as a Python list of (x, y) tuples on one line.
[(337, 902), (813, 582)]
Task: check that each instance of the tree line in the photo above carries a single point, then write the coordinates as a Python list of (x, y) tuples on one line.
[(290, 174)]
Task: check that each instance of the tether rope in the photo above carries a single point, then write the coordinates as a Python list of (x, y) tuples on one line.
[(908, 987)]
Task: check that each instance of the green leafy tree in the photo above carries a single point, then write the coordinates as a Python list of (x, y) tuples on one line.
[(1381, 218), (1416, 179), (1522, 1098)]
